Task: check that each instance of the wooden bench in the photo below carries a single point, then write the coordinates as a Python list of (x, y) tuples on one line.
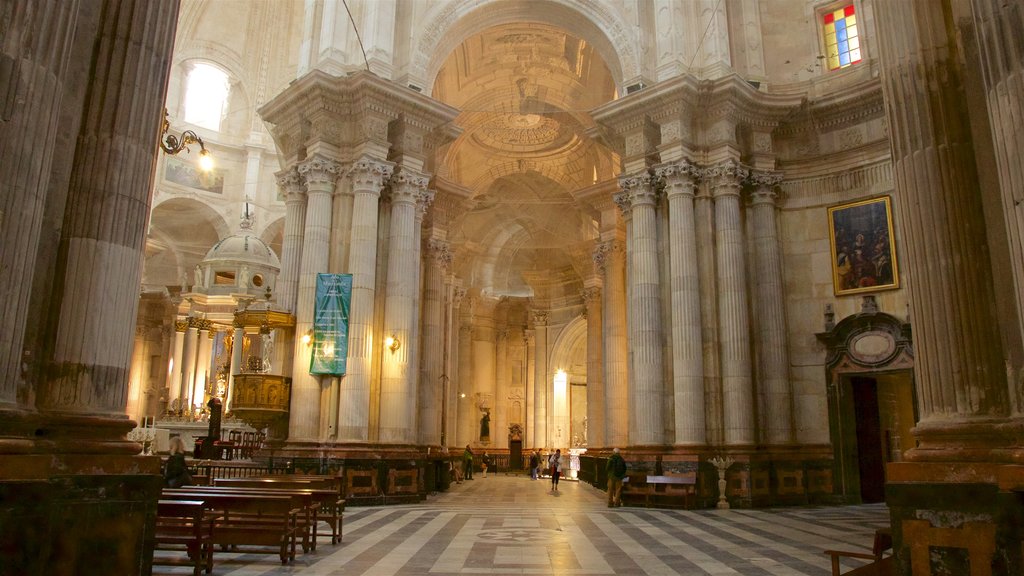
[(184, 525), (268, 522), (304, 501), (325, 490), (664, 491)]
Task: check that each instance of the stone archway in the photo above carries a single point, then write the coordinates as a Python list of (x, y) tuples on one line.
[(871, 401)]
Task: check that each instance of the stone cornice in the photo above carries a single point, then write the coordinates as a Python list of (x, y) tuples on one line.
[(841, 109)]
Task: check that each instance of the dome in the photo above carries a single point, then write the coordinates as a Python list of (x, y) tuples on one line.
[(244, 248)]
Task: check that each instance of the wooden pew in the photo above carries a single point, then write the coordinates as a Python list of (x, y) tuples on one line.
[(303, 500), (268, 522), (185, 524), (325, 490), (664, 491)]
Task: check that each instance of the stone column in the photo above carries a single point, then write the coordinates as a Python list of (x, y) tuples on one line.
[(188, 363), (967, 437), (205, 348), (646, 427), (483, 362), (687, 346), (177, 358), (38, 38), (529, 350), (108, 207), (368, 176), (464, 384), (773, 352), (458, 295), (237, 343), (431, 388), (704, 220), (319, 174), (611, 264), (294, 189), (499, 420), (398, 392), (541, 379), (595, 378), (733, 318)]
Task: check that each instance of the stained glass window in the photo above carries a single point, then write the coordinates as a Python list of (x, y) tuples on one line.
[(842, 43)]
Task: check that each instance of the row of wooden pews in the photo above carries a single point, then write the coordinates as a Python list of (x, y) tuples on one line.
[(270, 515)]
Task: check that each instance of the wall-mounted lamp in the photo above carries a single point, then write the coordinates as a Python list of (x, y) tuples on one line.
[(172, 144), (307, 338), (393, 343)]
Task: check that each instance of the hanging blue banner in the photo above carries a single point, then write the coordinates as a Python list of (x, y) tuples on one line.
[(330, 323)]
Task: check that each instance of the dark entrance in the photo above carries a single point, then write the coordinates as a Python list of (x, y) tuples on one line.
[(870, 448), (515, 454)]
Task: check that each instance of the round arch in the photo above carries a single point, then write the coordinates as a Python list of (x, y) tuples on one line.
[(182, 230), (450, 24)]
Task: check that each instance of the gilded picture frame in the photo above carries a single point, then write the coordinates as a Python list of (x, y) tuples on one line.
[(863, 251)]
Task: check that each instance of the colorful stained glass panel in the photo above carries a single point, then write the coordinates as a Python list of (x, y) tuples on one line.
[(842, 45)]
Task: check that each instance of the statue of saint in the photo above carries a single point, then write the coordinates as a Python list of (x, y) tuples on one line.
[(485, 426), (197, 278)]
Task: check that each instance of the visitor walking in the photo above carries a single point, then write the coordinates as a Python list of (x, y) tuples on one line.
[(534, 465), (616, 469)]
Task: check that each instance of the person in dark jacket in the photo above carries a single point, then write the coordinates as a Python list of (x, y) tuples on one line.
[(176, 473), (616, 469)]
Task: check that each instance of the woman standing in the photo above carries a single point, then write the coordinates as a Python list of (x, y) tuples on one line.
[(555, 463)]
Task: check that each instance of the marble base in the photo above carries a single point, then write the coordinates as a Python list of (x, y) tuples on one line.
[(65, 515)]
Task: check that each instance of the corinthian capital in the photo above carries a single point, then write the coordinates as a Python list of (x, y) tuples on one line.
[(763, 183), (725, 177), (540, 317), (320, 170), (369, 174), (441, 253), (407, 185), (639, 188), (679, 177), (291, 183)]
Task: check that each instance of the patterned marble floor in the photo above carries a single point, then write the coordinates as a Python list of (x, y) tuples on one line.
[(504, 525)]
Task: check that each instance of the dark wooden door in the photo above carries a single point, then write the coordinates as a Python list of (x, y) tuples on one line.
[(870, 456), (515, 454)]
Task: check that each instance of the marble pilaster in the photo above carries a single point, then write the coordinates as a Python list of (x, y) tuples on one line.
[(646, 427), (368, 176), (687, 346), (294, 190), (188, 362), (483, 335), (704, 218), (733, 317), (464, 384), (595, 378), (773, 360), (541, 379), (431, 387), (499, 419), (611, 263), (398, 393), (177, 358), (237, 343), (202, 378), (320, 175)]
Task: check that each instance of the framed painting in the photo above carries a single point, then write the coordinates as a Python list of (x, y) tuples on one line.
[(863, 252)]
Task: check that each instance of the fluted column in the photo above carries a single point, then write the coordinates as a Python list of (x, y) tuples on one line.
[(457, 295), (959, 371), (320, 175), (529, 360), (541, 379), (423, 203), (687, 346), (611, 263), (999, 26), (464, 386), (483, 361), (367, 176), (431, 389), (398, 395), (773, 351), (188, 361), (177, 357), (733, 319), (294, 190), (205, 347), (499, 420), (237, 343), (36, 45), (595, 378), (704, 221), (646, 423), (103, 235)]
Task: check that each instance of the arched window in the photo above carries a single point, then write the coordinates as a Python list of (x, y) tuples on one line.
[(206, 96)]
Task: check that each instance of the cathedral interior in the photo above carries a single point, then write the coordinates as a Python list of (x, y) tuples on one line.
[(776, 243)]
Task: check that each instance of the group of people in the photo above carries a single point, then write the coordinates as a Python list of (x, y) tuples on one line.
[(466, 471), (615, 469)]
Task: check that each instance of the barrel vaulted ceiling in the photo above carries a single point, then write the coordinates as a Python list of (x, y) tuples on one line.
[(524, 92)]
